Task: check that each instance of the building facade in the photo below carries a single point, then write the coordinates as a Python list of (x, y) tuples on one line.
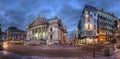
[(118, 26), (95, 25), (1, 36), (42, 31), (13, 33), (117, 30), (0, 32)]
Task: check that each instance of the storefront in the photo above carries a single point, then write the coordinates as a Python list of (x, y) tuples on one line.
[(89, 40), (102, 38)]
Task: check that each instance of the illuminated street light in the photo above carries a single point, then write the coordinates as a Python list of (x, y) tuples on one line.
[(118, 26), (86, 16), (5, 45)]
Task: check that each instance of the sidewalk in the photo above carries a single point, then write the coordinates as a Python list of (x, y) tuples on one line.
[(117, 54), (31, 52)]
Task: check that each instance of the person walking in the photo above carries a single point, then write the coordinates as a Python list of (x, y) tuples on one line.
[(114, 41)]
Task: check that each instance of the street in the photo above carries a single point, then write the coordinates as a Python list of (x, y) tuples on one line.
[(53, 52), (47, 51)]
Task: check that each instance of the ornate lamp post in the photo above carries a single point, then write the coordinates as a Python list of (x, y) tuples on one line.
[(115, 40), (116, 30)]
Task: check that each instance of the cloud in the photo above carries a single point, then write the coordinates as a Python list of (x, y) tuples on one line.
[(20, 13), (70, 17)]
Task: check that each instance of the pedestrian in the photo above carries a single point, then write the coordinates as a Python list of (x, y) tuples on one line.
[(113, 47), (93, 54), (114, 44), (71, 44)]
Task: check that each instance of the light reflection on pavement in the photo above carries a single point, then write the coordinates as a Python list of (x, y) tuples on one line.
[(10, 55), (5, 53)]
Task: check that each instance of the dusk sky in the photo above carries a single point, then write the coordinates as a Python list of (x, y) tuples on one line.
[(20, 13)]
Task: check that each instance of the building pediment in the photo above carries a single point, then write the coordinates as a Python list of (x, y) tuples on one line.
[(38, 22)]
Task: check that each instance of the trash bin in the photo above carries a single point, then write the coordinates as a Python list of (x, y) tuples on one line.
[(106, 52)]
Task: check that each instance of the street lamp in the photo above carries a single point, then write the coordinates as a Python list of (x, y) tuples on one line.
[(5, 45), (86, 16)]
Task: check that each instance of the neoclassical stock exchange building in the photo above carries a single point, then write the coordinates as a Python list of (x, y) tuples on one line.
[(42, 31)]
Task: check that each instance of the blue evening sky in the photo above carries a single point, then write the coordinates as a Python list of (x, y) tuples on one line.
[(20, 13)]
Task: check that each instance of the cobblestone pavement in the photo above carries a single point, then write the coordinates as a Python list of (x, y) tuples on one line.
[(8, 55), (86, 55)]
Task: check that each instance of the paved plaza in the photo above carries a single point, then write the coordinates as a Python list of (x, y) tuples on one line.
[(53, 52)]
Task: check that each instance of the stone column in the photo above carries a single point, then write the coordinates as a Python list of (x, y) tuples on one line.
[(45, 32), (47, 40), (40, 33), (29, 34), (34, 34)]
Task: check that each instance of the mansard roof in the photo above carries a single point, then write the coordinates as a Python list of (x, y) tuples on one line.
[(12, 28), (88, 7)]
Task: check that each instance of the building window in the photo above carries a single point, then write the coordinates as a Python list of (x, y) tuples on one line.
[(88, 20), (94, 27), (50, 36), (35, 30), (51, 29), (88, 26), (88, 12), (94, 14), (94, 20), (32, 31)]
